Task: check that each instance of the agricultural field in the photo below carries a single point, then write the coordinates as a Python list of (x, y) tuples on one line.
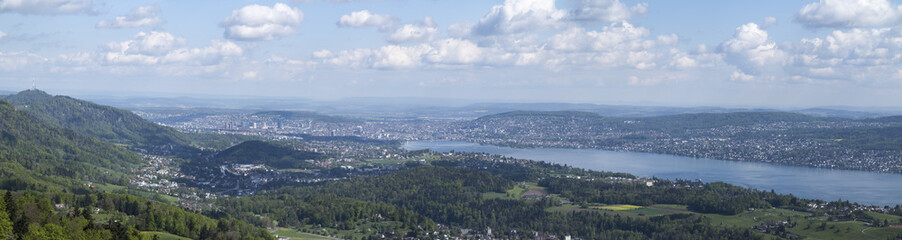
[(295, 235), (519, 191), (162, 236)]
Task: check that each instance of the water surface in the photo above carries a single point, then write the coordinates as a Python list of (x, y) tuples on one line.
[(828, 184)]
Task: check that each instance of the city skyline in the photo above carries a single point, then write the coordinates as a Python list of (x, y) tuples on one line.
[(738, 53)]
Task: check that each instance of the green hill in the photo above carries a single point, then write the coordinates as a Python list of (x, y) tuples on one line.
[(271, 154), (34, 155), (106, 123)]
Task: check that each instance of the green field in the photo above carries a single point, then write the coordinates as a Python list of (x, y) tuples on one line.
[(626, 210), (805, 225), (810, 226), (292, 234), (514, 193), (620, 207), (151, 195), (162, 235)]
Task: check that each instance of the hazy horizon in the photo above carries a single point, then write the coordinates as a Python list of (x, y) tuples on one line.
[(752, 54)]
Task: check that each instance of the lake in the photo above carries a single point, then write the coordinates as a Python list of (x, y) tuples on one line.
[(828, 184)]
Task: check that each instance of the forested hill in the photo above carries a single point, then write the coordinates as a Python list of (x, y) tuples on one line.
[(36, 156), (271, 154), (565, 114), (103, 122)]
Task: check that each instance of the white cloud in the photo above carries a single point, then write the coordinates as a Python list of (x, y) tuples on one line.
[(12, 61), (2, 35), (619, 45), (849, 13), (45, 6), (455, 51), (165, 48), (443, 53), (145, 16), (255, 22), (615, 37), (768, 21), (152, 44), (394, 56), (364, 18), (426, 31), (515, 16), (849, 55), (752, 51), (605, 10)]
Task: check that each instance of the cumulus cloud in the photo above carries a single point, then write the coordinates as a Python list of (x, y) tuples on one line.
[(856, 53), (45, 6), (849, 13), (256, 22), (165, 48), (515, 16), (12, 61), (752, 51), (443, 53), (617, 36), (145, 16), (425, 31), (768, 21), (363, 18), (2, 35), (605, 10), (619, 45)]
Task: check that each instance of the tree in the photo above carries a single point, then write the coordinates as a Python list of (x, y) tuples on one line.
[(6, 225)]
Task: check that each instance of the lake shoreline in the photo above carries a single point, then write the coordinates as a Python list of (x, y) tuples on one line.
[(865, 187)]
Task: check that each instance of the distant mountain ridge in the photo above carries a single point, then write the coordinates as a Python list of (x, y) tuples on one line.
[(304, 115), (668, 122)]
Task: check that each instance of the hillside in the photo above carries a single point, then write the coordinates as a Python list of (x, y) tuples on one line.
[(34, 155), (106, 123), (271, 154), (47, 175), (712, 120)]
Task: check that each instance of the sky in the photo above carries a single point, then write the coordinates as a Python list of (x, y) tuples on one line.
[(762, 53)]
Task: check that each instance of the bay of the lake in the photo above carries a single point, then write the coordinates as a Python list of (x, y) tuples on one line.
[(828, 184)]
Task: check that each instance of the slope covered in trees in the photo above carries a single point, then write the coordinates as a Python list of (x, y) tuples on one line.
[(103, 122), (269, 153), (60, 216), (454, 196), (36, 156)]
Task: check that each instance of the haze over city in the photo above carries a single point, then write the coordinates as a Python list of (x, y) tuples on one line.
[(733, 53)]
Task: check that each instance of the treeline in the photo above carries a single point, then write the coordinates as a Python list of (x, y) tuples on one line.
[(517, 169), (453, 196), (714, 197), (36, 215), (321, 210)]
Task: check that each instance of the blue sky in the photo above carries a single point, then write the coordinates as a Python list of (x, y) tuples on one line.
[(677, 53)]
